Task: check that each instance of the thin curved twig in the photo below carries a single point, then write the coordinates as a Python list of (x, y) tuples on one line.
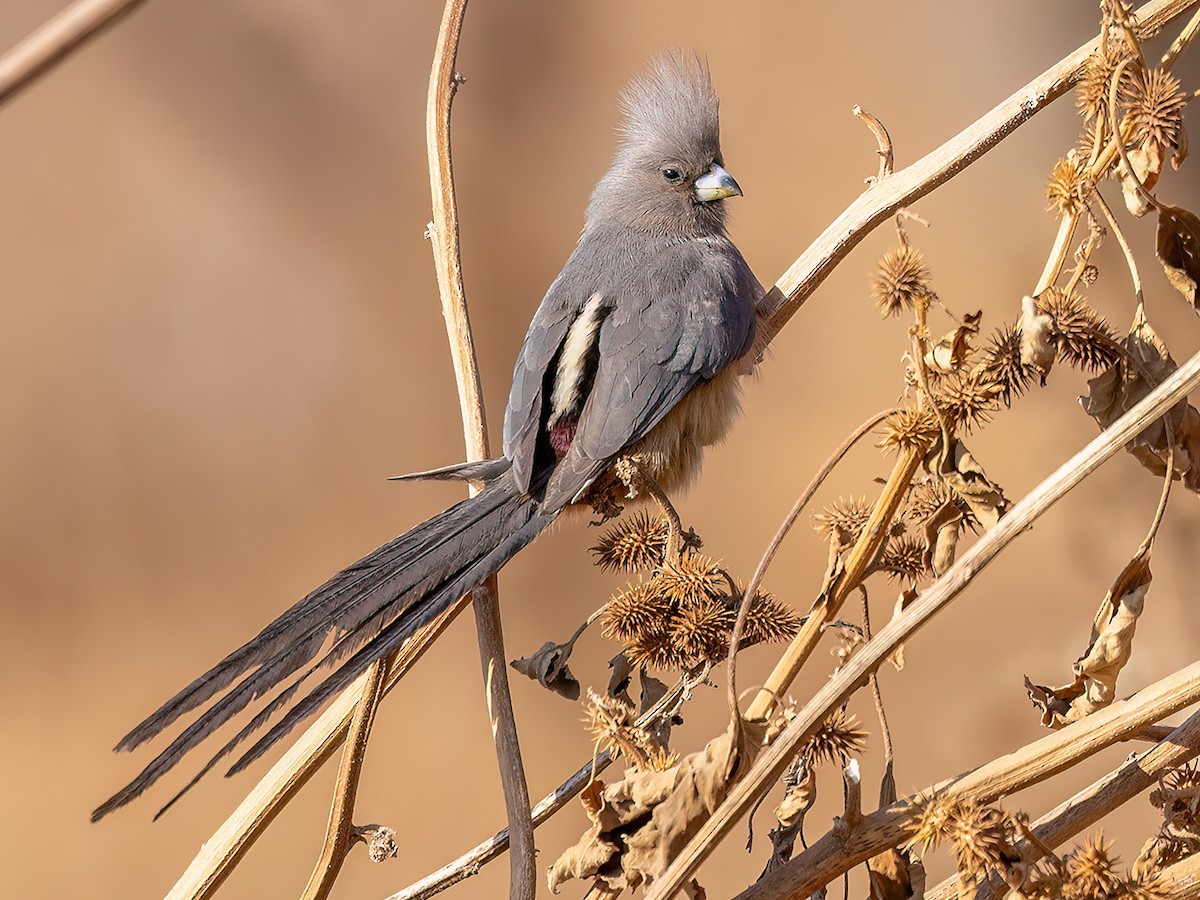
[(781, 532), (339, 834), (887, 157), (444, 238), (57, 39)]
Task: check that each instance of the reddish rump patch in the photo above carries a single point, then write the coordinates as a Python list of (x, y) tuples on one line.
[(562, 435)]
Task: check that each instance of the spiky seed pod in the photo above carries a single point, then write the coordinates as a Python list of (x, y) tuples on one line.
[(634, 611), (692, 579), (1085, 339), (1044, 882), (1155, 101), (932, 825), (909, 428), (970, 400), (1002, 364), (635, 544), (839, 737), (700, 631), (1143, 886), (1089, 275), (769, 620), (1068, 186), (655, 650), (1093, 870), (902, 277), (1184, 778), (927, 497), (905, 559), (1092, 95), (981, 837), (845, 518)]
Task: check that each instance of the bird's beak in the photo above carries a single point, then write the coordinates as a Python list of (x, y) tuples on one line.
[(715, 184)]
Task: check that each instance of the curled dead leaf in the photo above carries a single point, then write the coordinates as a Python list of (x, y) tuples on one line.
[(1115, 391), (1177, 245), (1095, 682), (640, 823), (966, 478), (548, 667), (1147, 161), (950, 352)]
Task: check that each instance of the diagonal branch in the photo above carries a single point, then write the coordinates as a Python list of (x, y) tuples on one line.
[(57, 39)]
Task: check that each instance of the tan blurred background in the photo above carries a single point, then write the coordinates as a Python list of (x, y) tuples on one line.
[(219, 333)]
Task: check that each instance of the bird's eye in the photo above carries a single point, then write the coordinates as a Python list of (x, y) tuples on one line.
[(672, 174)]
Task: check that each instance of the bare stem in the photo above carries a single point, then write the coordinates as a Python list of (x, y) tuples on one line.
[(1181, 42), (887, 159), (782, 532), (339, 835), (1058, 253), (773, 760), (57, 39), (443, 234)]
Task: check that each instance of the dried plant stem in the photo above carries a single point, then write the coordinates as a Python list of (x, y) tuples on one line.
[(1058, 253), (45, 48), (221, 853), (1097, 800), (1181, 42), (1120, 236), (880, 201), (339, 835), (855, 566), (887, 157), (1181, 881), (772, 548), (444, 237), (773, 760), (831, 855)]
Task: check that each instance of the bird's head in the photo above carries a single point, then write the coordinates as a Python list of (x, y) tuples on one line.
[(668, 176)]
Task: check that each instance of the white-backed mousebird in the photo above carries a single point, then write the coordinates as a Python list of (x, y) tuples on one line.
[(634, 352)]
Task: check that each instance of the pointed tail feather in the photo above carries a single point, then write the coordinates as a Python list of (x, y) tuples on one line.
[(372, 607)]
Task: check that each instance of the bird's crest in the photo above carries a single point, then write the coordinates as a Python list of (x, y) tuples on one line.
[(671, 105)]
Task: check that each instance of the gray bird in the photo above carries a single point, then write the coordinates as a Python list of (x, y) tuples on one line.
[(634, 352)]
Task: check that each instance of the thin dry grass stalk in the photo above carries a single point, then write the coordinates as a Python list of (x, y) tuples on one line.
[(774, 760), (444, 238)]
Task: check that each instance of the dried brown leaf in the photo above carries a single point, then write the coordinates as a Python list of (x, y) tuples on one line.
[(1147, 161), (951, 351), (640, 823), (1114, 392), (548, 667), (1177, 245), (1095, 682), (966, 478)]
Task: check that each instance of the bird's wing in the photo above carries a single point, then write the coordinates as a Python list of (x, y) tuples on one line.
[(675, 322), (523, 417)]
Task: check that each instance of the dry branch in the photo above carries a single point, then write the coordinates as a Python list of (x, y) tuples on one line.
[(45, 48), (444, 238)]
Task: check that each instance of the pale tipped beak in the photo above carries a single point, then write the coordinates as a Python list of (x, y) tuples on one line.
[(715, 184)]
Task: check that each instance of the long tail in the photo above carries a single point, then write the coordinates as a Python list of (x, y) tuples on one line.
[(372, 607)]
